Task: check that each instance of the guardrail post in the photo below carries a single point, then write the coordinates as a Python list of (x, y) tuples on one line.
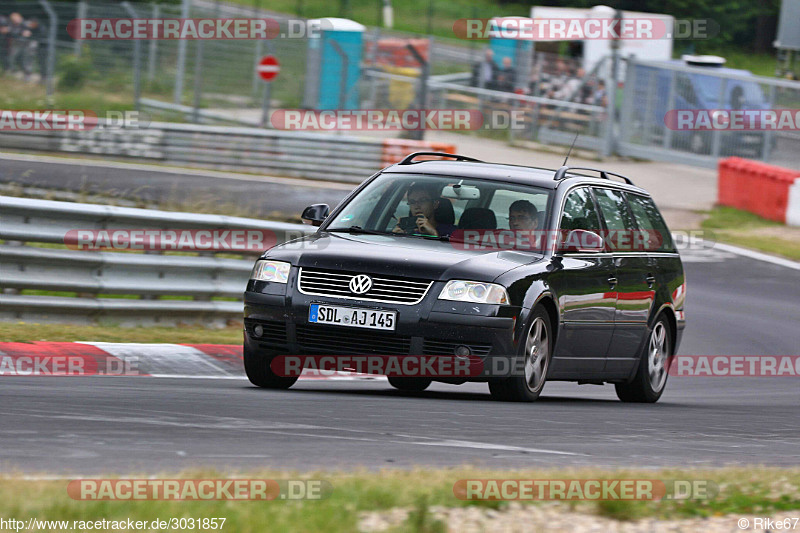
[(181, 65), (137, 60), (673, 82), (83, 9), (422, 91), (152, 57), (51, 49), (766, 148), (343, 80), (717, 134)]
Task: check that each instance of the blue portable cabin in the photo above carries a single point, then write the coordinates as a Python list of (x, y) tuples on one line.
[(331, 79)]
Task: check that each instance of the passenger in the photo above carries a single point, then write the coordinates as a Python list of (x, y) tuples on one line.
[(523, 216), (423, 201)]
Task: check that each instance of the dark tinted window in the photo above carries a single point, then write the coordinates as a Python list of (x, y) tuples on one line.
[(580, 212), (649, 219), (615, 211)]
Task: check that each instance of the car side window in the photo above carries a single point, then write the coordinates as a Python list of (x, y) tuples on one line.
[(615, 210), (650, 220), (580, 212)]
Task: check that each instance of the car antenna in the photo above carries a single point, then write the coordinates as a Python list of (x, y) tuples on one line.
[(570, 149)]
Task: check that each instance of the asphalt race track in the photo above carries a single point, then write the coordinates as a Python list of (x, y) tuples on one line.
[(736, 306), (259, 195)]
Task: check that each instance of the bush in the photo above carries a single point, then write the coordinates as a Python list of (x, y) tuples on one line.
[(73, 72)]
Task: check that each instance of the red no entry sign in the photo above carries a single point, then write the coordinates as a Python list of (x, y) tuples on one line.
[(268, 68)]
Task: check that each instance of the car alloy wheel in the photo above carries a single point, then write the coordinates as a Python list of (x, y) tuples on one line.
[(537, 355), (657, 357)]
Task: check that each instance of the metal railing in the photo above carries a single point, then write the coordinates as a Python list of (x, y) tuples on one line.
[(540, 119), (284, 153), (118, 287), (653, 89)]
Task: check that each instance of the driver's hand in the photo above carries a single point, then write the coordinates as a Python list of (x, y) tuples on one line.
[(398, 229), (425, 226)]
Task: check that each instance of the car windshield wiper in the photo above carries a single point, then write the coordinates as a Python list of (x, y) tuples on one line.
[(443, 238), (359, 229)]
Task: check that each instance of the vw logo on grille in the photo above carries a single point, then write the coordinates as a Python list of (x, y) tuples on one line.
[(360, 284)]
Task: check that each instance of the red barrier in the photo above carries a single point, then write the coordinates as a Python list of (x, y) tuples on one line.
[(755, 187), (394, 150)]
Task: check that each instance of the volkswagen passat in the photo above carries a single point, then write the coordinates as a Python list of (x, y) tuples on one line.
[(568, 274)]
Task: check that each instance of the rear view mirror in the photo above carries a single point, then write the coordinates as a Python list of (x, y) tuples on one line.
[(315, 214), (582, 241), (461, 192)]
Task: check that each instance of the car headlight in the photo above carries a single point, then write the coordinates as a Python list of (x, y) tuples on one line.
[(474, 292), (274, 271)]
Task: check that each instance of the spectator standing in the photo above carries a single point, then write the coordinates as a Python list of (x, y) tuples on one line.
[(16, 41), (506, 76), (4, 29), (38, 46)]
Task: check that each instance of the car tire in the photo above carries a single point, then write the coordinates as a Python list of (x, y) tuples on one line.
[(410, 384), (651, 377), (536, 352), (258, 370)]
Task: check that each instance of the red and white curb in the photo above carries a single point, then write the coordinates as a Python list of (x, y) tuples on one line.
[(216, 361)]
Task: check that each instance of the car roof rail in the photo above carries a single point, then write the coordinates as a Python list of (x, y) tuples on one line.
[(409, 159), (561, 173)]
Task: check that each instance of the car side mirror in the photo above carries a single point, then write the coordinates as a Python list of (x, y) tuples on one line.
[(315, 214), (582, 241)]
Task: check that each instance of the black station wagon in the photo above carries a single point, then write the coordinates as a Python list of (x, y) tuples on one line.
[(568, 274)]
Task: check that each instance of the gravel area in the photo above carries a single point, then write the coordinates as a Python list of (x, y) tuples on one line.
[(557, 518)]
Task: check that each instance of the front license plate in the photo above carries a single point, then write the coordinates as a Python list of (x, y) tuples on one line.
[(353, 317)]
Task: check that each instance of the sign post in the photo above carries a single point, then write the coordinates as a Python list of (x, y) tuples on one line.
[(268, 69)]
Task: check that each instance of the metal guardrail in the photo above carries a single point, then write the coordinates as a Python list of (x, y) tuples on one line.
[(137, 280), (545, 120), (286, 153)]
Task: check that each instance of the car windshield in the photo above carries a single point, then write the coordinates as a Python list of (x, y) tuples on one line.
[(437, 206)]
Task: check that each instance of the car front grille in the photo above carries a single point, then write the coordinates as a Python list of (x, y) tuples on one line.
[(385, 289), (447, 347), (318, 339)]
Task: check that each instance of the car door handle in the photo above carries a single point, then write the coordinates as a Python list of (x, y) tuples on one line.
[(651, 280), (612, 281)]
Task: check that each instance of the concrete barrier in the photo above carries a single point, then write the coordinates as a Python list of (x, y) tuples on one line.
[(768, 191)]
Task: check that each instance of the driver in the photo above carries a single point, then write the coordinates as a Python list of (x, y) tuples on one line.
[(523, 216), (423, 200)]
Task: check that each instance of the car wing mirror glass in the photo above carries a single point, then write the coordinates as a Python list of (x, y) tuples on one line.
[(315, 214)]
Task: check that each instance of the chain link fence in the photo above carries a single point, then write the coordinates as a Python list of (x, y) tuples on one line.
[(216, 81)]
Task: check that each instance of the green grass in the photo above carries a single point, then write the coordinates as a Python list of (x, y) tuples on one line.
[(29, 332), (742, 491), (762, 64), (729, 218), (743, 228), (409, 15)]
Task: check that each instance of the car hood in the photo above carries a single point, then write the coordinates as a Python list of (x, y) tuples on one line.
[(396, 255)]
